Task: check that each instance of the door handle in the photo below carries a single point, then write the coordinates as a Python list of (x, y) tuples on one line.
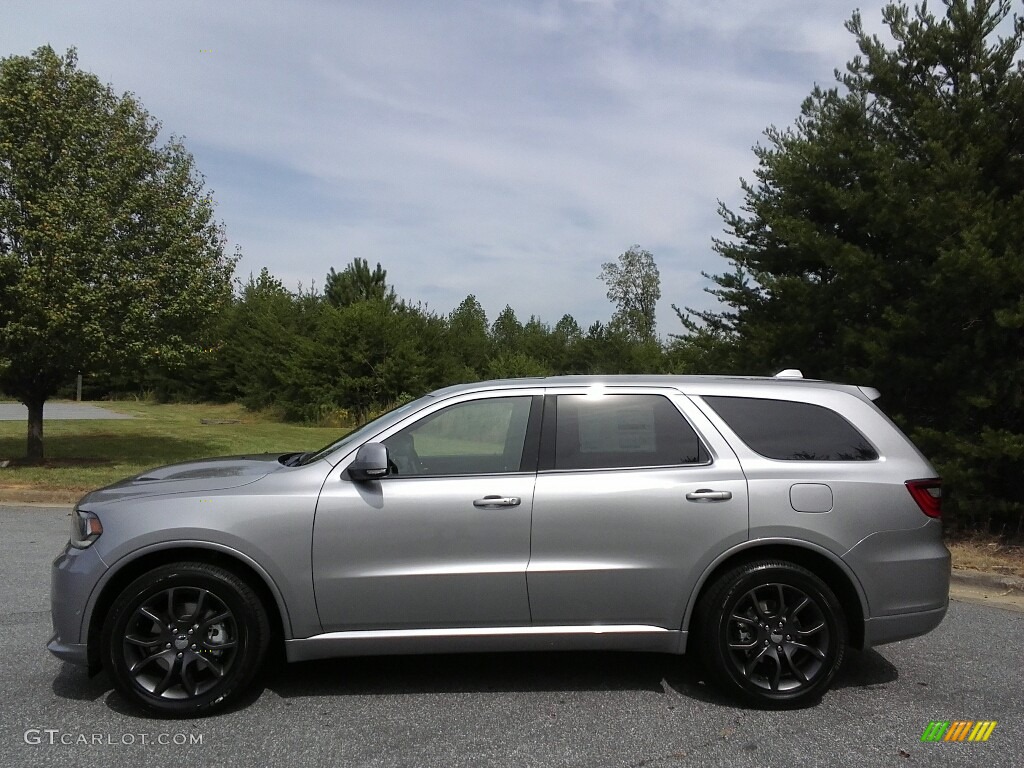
[(706, 494), (494, 502)]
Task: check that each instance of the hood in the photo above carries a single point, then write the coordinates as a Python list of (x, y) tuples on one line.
[(189, 477)]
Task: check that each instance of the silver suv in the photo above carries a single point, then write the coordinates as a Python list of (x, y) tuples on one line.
[(766, 524)]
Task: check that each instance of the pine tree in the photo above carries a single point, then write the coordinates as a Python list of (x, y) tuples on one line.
[(882, 242)]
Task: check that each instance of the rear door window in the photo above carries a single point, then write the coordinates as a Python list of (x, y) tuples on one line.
[(620, 431)]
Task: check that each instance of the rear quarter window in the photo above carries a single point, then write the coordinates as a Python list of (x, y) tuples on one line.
[(792, 431)]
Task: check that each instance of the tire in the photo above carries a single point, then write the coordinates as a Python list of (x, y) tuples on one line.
[(185, 639), (772, 634)]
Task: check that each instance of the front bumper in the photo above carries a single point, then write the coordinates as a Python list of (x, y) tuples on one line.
[(75, 653), (73, 577)]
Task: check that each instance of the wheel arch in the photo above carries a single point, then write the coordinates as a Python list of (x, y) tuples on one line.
[(819, 561), (131, 567)]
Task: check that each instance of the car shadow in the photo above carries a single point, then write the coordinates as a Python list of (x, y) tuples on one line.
[(73, 683), (481, 673), (472, 673), (531, 672), (865, 669)]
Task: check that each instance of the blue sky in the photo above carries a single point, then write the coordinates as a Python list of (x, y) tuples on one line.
[(504, 149)]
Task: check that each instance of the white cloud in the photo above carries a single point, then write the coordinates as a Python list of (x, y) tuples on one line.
[(501, 149)]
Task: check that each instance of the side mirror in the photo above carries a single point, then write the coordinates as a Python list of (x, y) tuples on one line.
[(370, 463)]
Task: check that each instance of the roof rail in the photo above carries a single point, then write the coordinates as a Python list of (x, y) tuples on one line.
[(789, 373)]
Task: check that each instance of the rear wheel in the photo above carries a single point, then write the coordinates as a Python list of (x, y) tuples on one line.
[(185, 639), (772, 633)]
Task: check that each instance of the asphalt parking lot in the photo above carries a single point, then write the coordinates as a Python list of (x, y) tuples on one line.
[(60, 410), (581, 709)]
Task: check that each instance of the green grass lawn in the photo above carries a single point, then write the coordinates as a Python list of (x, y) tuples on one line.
[(82, 455)]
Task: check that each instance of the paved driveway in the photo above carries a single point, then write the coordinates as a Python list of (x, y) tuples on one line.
[(583, 710), (57, 410)]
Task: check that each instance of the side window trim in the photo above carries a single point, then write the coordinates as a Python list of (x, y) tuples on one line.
[(546, 458), (531, 446)]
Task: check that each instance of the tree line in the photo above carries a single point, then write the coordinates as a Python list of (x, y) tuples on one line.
[(356, 349)]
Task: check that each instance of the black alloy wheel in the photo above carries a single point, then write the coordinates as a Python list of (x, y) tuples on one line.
[(773, 633), (185, 638)]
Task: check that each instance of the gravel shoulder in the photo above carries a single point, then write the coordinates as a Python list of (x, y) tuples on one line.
[(991, 588)]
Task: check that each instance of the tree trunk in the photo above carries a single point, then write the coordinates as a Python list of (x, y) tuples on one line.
[(34, 452)]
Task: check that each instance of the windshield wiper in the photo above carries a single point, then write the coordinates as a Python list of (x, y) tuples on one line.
[(293, 459)]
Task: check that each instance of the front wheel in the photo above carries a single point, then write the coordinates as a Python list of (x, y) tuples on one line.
[(772, 633), (185, 639)]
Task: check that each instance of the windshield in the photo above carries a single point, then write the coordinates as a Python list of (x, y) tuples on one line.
[(378, 424)]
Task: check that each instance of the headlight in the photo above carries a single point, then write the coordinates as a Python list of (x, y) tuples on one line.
[(85, 528)]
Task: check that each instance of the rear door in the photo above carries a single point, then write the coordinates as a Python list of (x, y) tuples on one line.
[(636, 494)]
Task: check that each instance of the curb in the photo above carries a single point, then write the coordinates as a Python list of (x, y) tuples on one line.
[(982, 580)]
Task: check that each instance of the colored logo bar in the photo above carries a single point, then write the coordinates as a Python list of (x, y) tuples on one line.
[(958, 730)]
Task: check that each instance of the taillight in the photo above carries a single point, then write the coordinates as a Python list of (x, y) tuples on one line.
[(928, 495)]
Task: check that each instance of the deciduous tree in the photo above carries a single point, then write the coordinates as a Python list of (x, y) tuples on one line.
[(109, 253), (634, 285)]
